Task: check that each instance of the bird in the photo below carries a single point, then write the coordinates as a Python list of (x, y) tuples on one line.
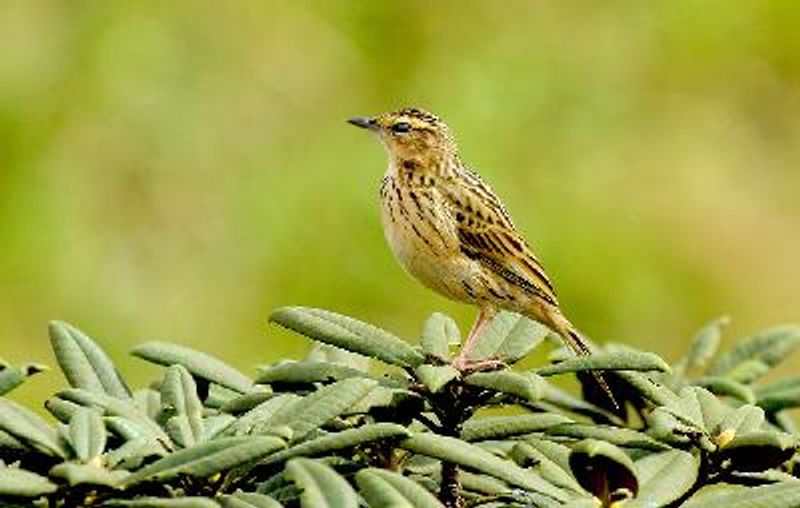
[(448, 229)]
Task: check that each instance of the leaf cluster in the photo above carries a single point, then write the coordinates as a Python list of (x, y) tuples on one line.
[(369, 419)]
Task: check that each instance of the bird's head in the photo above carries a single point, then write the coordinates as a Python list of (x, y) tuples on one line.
[(413, 135)]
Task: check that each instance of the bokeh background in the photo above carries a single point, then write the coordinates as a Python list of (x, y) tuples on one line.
[(175, 170)]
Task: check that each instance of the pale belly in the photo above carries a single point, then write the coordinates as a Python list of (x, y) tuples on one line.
[(429, 253)]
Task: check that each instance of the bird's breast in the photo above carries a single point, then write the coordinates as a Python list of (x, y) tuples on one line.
[(423, 239)]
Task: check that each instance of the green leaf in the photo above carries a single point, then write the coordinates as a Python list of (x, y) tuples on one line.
[(743, 419), (758, 450), (87, 474), (309, 372), (472, 457), (704, 345), (627, 360), (696, 413), (159, 502), (557, 472), (199, 364), (526, 385), (387, 488), (438, 334), (481, 483), (132, 454), (747, 371), (777, 495), (619, 436), (322, 486), (604, 470), (780, 395), (246, 402), (208, 458), (726, 386), (249, 500), (509, 337), (84, 364), (323, 405), (348, 333), (664, 477), (61, 409), (500, 427), (20, 483), (12, 377), (87, 434), (435, 377), (181, 408), (257, 419), (648, 389), (112, 406), (769, 347), (339, 441), (28, 427)]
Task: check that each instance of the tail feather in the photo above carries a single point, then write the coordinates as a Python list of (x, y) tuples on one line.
[(552, 317), (581, 348)]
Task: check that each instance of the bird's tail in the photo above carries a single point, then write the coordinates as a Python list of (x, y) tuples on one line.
[(579, 346)]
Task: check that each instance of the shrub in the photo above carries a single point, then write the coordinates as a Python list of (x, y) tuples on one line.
[(334, 430)]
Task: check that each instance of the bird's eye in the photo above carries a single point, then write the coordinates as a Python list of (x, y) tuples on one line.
[(401, 128)]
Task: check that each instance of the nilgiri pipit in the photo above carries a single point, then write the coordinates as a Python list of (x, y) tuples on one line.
[(449, 230)]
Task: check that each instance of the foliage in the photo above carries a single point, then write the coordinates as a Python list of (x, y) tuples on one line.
[(334, 430)]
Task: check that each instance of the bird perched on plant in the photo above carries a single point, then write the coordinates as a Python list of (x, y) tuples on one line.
[(449, 230)]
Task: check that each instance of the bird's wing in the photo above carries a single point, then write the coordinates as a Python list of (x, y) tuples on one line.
[(487, 234)]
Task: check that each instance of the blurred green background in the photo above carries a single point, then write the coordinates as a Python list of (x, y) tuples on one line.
[(175, 170)]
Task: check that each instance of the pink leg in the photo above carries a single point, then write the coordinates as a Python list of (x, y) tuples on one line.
[(462, 361)]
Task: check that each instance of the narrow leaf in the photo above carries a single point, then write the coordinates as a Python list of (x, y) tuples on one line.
[(159, 502), (208, 458), (664, 477), (615, 435), (550, 468), (726, 386), (703, 345), (339, 441), (258, 418), (249, 500), (112, 406), (322, 486), (438, 334), (181, 407), (526, 385), (308, 372), (435, 377), (776, 495), (387, 488), (509, 337), (87, 434), (348, 333), (12, 377), (86, 474), (628, 360), (500, 427), (84, 364), (199, 364), (323, 405), (20, 483), (29, 428), (472, 457), (770, 347)]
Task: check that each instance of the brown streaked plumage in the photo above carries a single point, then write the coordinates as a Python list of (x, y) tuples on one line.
[(449, 230)]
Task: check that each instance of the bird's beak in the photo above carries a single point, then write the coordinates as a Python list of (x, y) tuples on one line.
[(364, 122)]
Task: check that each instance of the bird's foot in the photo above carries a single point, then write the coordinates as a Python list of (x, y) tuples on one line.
[(468, 365)]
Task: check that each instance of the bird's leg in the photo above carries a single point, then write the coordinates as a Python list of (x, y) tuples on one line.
[(462, 361)]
